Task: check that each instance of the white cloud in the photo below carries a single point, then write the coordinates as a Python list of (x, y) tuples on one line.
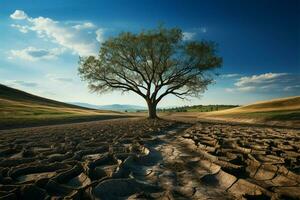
[(268, 83), (192, 34), (188, 36), (15, 83), (46, 27), (99, 35), (291, 88), (246, 89), (34, 54), (23, 29), (58, 78), (86, 25), (75, 38), (258, 79), (240, 89), (19, 15), (229, 90), (229, 75)]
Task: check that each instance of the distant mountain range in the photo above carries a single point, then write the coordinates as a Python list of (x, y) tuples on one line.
[(113, 107)]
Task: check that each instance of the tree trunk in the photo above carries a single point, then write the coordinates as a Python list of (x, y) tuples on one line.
[(151, 110)]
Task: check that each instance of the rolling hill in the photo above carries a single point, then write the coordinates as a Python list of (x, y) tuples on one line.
[(282, 104), (113, 107), (276, 111), (19, 109)]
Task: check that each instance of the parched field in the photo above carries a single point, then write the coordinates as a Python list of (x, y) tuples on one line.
[(149, 159)]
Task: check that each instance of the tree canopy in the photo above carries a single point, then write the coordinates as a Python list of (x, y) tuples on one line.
[(152, 64)]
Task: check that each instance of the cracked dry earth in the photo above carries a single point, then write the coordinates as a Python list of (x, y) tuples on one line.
[(143, 159)]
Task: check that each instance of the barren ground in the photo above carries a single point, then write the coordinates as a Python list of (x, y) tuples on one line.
[(142, 159)]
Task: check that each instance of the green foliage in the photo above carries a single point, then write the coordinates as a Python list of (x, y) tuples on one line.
[(198, 108), (152, 64)]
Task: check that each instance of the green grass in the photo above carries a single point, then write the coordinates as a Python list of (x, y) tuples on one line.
[(20, 109), (14, 114), (9, 93), (11, 110), (19, 122), (282, 111), (269, 116), (286, 116)]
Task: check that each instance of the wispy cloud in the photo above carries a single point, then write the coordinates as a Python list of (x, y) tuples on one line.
[(23, 29), (58, 78), (15, 83), (99, 35), (201, 30), (291, 88), (73, 37), (268, 83), (230, 75), (261, 79), (34, 54), (246, 89), (86, 25), (188, 36)]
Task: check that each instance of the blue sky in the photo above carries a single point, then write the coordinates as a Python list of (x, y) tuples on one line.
[(259, 41)]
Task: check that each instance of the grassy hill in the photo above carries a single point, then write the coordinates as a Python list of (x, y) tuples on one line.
[(284, 110), (19, 109), (288, 103)]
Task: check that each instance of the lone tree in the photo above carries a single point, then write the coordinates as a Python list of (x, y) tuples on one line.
[(152, 64)]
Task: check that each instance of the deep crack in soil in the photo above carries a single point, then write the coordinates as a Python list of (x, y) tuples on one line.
[(149, 159)]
